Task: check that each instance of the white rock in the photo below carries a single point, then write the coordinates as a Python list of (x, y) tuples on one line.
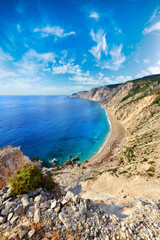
[(36, 205), (37, 216), (25, 202), (57, 209), (10, 216), (2, 220), (64, 201), (39, 198), (69, 195), (68, 188), (30, 212), (9, 204), (31, 233), (26, 224), (53, 204), (14, 219)]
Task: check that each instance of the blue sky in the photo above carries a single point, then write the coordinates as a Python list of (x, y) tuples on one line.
[(61, 47)]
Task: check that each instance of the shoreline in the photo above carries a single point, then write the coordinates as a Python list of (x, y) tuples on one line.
[(107, 136), (113, 140)]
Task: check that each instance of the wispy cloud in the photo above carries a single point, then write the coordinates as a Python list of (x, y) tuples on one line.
[(65, 65), (154, 15), (114, 56), (116, 59), (94, 15), (154, 27), (100, 39), (55, 31), (68, 68), (153, 24)]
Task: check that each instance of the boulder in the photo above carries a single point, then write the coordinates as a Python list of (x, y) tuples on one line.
[(11, 159)]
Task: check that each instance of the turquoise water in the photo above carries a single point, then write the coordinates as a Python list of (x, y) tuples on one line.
[(52, 126)]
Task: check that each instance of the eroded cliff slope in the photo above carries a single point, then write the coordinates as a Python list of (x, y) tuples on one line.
[(136, 104)]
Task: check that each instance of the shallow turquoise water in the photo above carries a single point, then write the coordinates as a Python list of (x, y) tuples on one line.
[(53, 126)]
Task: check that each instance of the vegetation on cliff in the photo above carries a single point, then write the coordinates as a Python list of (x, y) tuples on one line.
[(28, 179)]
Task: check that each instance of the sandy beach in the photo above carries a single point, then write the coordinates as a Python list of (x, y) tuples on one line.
[(116, 137)]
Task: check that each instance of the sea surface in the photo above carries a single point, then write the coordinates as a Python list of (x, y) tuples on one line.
[(53, 126)]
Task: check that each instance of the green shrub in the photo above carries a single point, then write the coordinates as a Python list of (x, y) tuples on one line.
[(29, 179)]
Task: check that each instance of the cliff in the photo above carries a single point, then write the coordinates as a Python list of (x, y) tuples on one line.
[(136, 104), (11, 159)]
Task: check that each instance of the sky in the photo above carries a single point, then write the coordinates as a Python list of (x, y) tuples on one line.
[(52, 47)]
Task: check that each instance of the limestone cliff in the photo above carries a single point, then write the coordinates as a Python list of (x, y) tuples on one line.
[(136, 104)]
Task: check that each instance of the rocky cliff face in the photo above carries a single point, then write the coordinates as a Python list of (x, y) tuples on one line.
[(11, 159), (136, 104)]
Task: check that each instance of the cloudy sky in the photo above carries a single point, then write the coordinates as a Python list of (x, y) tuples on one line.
[(61, 47)]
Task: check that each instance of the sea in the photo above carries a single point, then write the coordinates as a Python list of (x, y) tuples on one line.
[(53, 127)]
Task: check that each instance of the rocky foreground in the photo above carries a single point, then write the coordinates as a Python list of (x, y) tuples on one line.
[(39, 215)]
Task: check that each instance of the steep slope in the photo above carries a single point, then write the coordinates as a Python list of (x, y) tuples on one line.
[(136, 104)]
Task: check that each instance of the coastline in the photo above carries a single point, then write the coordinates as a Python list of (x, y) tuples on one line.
[(107, 136), (116, 136)]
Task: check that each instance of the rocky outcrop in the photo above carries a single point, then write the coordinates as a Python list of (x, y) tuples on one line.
[(39, 215), (11, 159)]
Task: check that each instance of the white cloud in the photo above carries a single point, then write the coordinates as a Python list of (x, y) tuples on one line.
[(68, 68), (94, 15), (33, 63), (46, 57), (116, 60), (155, 69), (154, 15), (100, 39), (65, 65), (114, 55), (55, 31), (154, 27)]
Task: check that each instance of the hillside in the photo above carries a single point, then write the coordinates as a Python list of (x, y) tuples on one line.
[(136, 105)]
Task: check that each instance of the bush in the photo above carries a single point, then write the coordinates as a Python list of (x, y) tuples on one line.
[(29, 179)]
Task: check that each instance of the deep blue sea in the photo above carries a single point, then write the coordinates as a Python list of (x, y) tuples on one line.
[(52, 126)]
